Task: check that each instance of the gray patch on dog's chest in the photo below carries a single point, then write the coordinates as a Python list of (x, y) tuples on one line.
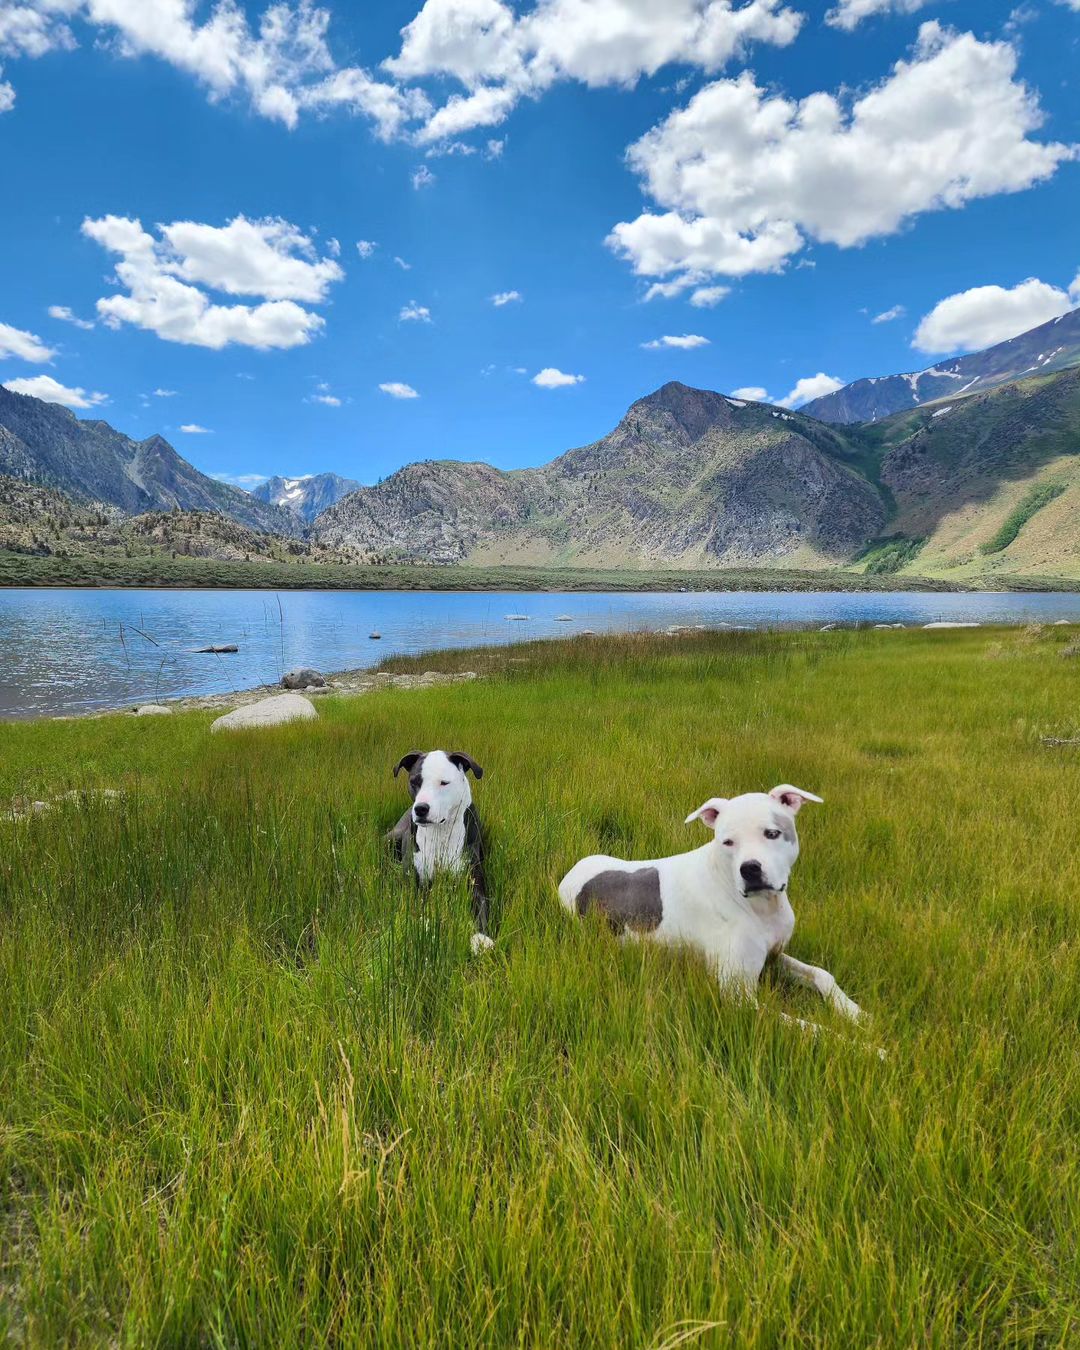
[(628, 899)]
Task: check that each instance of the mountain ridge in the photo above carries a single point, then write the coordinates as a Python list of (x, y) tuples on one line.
[(92, 463), (1050, 347)]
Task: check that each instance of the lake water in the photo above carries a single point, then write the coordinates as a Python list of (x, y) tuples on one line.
[(69, 651)]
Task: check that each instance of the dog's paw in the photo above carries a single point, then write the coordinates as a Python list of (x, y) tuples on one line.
[(849, 1007), (480, 942)]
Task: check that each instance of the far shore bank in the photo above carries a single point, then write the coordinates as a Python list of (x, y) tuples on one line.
[(18, 571)]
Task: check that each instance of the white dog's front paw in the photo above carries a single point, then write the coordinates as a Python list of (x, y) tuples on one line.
[(480, 942), (848, 1006)]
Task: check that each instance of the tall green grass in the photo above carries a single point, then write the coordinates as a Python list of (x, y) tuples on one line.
[(253, 1093)]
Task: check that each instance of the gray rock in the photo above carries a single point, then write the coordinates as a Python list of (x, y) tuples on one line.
[(217, 649), (267, 712), (303, 678), (152, 710), (945, 623)]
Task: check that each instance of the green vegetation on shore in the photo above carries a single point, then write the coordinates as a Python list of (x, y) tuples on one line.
[(18, 569), (253, 1093)]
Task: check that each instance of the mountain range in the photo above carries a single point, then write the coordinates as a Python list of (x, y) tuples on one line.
[(91, 463), (1040, 351), (308, 496), (978, 485)]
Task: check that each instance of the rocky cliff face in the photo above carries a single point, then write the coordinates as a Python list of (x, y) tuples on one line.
[(89, 461), (687, 476)]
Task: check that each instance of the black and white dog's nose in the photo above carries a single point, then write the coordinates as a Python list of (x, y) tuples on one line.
[(750, 871), (420, 810)]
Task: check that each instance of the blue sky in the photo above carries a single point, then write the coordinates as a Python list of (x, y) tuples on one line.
[(190, 183)]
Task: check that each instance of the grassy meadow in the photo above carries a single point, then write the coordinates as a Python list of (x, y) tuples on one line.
[(252, 1093)]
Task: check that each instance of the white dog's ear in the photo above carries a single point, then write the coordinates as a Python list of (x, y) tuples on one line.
[(708, 812), (792, 797)]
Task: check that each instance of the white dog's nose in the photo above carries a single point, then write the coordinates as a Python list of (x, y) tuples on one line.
[(750, 870)]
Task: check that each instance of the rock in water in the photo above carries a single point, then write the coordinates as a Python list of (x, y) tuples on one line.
[(303, 678), (268, 712), (217, 649)]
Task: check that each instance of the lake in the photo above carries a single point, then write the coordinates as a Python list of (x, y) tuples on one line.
[(70, 651)]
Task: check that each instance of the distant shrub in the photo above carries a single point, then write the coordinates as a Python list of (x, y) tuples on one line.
[(1039, 496), (890, 555)]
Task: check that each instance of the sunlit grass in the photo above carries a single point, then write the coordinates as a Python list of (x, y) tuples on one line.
[(251, 1093)]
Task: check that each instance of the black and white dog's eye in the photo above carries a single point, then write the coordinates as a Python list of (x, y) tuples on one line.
[(729, 843), (772, 834)]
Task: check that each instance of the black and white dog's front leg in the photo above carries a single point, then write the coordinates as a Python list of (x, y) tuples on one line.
[(474, 851)]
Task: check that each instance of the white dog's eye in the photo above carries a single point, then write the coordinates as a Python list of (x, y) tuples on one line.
[(445, 783), (729, 843), (772, 834)]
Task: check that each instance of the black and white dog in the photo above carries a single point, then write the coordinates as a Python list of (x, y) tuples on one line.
[(441, 830)]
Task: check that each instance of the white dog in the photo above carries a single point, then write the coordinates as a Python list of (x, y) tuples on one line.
[(728, 899)]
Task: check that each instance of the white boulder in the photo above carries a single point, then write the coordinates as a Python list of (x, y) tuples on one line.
[(267, 712)]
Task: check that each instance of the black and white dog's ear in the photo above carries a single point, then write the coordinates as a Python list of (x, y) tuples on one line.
[(466, 763), (408, 762)]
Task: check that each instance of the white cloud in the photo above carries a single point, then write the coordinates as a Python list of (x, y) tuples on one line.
[(745, 177), (986, 315), (241, 480), (888, 315), (366, 247), (405, 266), (500, 57), (685, 343), (283, 66), (193, 429), (810, 386), (706, 297), (329, 400), (398, 390), (501, 298), (848, 14), (414, 313), (63, 313), (45, 387), (26, 346), (550, 378), (164, 393), (422, 177), (269, 258), (7, 95), (753, 393)]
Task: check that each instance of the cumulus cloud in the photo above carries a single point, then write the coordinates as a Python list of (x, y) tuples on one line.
[(193, 429), (63, 313), (686, 342), (985, 315), (809, 387), (162, 276), (282, 65), (52, 391), (888, 315), (707, 297), (753, 393), (745, 177), (164, 393), (422, 177), (328, 400), (414, 313), (500, 57), (398, 390), (501, 298), (7, 95), (550, 378), (26, 346), (366, 247), (848, 14)]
